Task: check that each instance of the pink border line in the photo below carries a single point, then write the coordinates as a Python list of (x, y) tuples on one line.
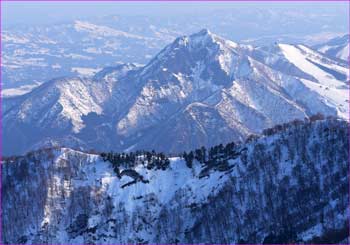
[(218, 1), (349, 113), (0, 122)]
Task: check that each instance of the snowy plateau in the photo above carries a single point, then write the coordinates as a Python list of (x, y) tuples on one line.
[(200, 90)]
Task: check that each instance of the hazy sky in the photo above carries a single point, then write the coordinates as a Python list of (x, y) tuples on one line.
[(50, 12)]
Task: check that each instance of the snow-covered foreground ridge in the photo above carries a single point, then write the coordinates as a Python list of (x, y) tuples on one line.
[(199, 90), (290, 185)]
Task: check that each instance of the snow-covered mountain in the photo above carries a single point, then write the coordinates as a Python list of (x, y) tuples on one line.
[(199, 90), (337, 47), (289, 186)]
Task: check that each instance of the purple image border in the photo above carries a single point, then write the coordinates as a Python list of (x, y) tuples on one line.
[(135, 1)]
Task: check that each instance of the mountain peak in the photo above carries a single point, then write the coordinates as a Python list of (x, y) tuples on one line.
[(187, 43), (203, 32), (203, 35), (245, 89)]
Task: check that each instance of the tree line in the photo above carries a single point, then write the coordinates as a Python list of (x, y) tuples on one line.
[(215, 154), (150, 159), (209, 156)]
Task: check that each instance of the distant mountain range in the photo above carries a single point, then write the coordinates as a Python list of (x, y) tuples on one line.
[(35, 54), (199, 90)]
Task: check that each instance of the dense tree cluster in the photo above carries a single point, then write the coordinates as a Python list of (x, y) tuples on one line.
[(295, 122), (215, 154), (150, 159), (316, 156), (220, 153)]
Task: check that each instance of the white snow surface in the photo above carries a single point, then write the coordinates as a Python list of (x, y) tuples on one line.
[(97, 30), (334, 91), (12, 92), (163, 183)]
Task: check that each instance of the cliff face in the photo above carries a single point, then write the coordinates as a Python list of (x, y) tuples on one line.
[(287, 186)]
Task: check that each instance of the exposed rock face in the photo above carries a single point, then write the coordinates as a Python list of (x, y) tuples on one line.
[(199, 90), (289, 186)]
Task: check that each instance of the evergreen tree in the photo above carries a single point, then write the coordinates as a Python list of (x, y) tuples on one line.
[(204, 152), (198, 155), (188, 158)]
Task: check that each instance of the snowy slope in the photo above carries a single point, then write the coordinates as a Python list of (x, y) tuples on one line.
[(337, 47), (67, 99), (200, 87), (328, 85), (279, 188), (104, 31)]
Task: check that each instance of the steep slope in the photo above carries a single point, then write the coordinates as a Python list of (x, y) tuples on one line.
[(330, 77), (337, 47), (290, 185), (56, 110), (199, 90)]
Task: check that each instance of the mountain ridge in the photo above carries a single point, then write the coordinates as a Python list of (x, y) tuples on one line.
[(211, 84), (337, 47), (289, 175)]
